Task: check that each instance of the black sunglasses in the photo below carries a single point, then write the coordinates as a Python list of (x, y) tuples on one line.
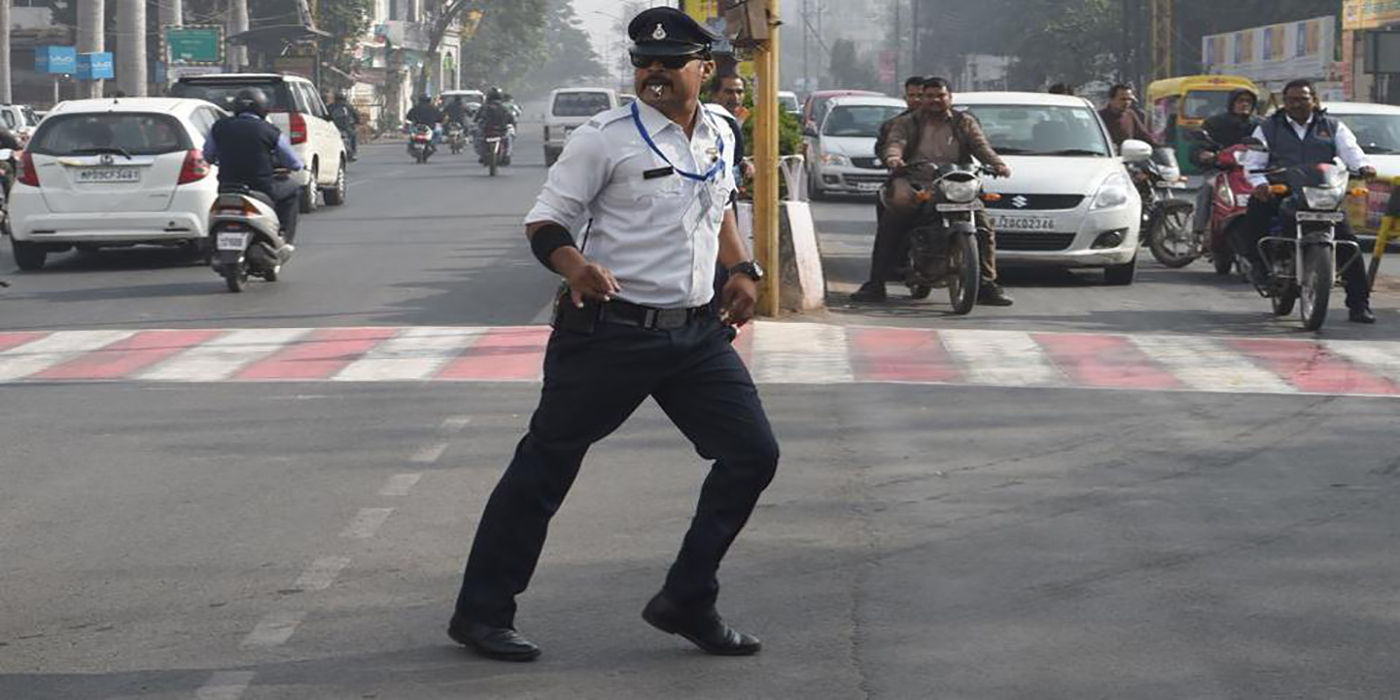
[(667, 62)]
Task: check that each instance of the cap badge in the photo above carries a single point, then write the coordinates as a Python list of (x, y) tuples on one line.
[(660, 33)]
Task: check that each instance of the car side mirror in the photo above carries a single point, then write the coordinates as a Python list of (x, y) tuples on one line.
[(1135, 151)]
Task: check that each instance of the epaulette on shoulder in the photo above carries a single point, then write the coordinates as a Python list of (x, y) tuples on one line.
[(603, 119)]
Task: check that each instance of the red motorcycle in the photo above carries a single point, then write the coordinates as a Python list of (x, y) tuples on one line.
[(1231, 191)]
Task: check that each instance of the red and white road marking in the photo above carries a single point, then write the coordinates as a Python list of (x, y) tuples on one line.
[(778, 353)]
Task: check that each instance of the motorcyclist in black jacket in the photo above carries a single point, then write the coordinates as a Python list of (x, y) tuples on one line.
[(425, 113), (494, 116), (1220, 132), (249, 150)]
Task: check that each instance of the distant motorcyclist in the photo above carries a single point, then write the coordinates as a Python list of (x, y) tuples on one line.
[(1122, 118), (495, 117), (425, 114), (1220, 132), (347, 119), (1301, 134), (249, 150), (941, 135), (457, 111)]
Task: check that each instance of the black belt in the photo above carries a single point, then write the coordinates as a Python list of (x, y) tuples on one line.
[(625, 313)]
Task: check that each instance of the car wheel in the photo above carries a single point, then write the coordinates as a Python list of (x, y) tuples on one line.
[(1121, 275), (310, 195), (28, 256), (335, 196), (814, 191)]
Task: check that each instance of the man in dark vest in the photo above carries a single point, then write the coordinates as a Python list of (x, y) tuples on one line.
[(249, 150), (1302, 133)]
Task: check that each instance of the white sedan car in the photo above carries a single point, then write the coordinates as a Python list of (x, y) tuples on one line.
[(114, 172), (1069, 202)]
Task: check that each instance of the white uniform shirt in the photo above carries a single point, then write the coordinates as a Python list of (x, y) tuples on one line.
[(1347, 148), (639, 229)]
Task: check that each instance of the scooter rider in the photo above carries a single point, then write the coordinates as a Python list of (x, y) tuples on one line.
[(494, 115), (941, 135), (249, 150), (1302, 133), (426, 114), (1222, 131)]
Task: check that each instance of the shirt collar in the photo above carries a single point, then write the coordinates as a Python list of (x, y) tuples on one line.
[(656, 122), (1311, 117)]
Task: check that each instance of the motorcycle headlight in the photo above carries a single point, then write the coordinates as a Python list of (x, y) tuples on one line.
[(1323, 197), (959, 192), (835, 160), (1114, 193)]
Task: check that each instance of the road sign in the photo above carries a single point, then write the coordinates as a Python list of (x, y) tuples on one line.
[(96, 66), (195, 45), (56, 60)]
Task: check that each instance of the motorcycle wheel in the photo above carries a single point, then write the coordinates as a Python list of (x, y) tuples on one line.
[(1319, 272), (1168, 238), (494, 161), (1283, 302), (237, 278), (274, 274), (965, 279)]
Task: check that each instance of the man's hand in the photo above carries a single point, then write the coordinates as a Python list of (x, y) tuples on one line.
[(1367, 172), (894, 162), (586, 280), (1002, 170), (737, 300), (1263, 193)]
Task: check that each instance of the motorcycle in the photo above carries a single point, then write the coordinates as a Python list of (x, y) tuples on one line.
[(943, 251), (247, 236), (1231, 191), (420, 142), (456, 136), (1303, 261), (493, 148), (1166, 220), (351, 143)]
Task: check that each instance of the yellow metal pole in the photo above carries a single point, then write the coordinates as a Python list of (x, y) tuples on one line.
[(767, 211)]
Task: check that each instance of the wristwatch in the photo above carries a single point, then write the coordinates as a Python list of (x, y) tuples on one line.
[(750, 269)]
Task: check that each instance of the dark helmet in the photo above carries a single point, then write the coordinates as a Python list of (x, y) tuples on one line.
[(250, 100), (425, 99), (494, 94)]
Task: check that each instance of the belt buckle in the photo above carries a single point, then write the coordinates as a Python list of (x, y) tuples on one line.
[(651, 318)]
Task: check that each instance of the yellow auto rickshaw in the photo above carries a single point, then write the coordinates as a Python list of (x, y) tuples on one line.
[(1177, 107)]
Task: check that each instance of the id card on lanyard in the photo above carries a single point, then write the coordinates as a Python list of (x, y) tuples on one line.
[(700, 207)]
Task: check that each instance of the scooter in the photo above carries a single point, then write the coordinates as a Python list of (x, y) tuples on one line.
[(247, 236), (943, 251), (456, 136), (420, 142), (1303, 261), (1231, 191), (1166, 220)]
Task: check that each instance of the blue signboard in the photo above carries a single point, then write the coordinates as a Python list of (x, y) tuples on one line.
[(57, 60), (96, 66)]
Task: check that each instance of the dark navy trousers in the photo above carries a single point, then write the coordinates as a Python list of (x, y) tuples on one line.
[(592, 384)]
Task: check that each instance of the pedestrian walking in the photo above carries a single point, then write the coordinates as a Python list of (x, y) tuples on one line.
[(635, 322)]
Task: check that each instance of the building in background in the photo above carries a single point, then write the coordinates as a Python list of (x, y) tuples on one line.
[(984, 72), (1274, 54), (393, 54)]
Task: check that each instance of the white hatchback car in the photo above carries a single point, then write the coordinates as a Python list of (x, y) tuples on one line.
[(1069, 202), (842, 148), (114, 172), (570, 108)]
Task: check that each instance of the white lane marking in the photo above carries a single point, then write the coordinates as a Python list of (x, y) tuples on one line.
[(400, 484), (322, 573), (273, 630), (1206, 365), (1375, 357), (455, 424), (366, 523), (225, 685), (1001, 358), (222, 357), (413, 354), (38, 355), (801, 353), (429, 454)]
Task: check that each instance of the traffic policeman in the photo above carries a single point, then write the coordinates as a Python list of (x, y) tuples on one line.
[(633, 321)]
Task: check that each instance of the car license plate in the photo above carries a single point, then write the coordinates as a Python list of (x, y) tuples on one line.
[(1023, 223), (1332, 216), (103, 175), (965, 206), (232, 241), (868, 186)]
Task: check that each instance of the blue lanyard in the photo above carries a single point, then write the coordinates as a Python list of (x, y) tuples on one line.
[(642, 129)]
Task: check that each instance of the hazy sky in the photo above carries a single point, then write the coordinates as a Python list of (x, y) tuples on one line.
[(600, 26)]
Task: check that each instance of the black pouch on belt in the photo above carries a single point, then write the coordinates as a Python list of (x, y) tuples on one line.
[(568, 317)]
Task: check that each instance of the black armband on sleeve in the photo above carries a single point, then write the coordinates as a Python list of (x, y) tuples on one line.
[(547, 239)]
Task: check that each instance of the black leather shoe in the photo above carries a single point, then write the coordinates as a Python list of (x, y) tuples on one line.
[(705, 630), (500, 643), (993, 295), (869, 292), (1362, 314), (920, 291)]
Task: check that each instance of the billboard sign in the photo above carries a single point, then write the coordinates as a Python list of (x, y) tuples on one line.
[(1369, 14), (195, 45), (96, 66), (56, 60), (1277, 52)]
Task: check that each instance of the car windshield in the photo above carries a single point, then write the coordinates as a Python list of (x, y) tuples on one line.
[(580, 104), (789, 103), (223, 93), (9, 118), (1204, 104), (112, 132), (1042, 130), (1377, 134), (862, 121)]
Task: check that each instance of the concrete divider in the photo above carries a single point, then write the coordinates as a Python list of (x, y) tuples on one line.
[(802, 285)]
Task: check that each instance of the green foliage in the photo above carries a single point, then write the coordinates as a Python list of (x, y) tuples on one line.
[(570, 56), (789, 130), (346, 21), (509, 41)]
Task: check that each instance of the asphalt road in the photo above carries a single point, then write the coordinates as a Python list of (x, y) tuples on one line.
[(304, 539)]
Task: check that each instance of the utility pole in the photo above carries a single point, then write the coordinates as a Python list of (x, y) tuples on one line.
[(131, 47), (237, 24), (6, 93), (172, 13), (767, 211), (92, 36), (806, 46), (1163, 29)]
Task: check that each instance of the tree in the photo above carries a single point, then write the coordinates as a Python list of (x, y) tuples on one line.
[(570, 56), (346, 21), (848, 71), (509, 41)]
